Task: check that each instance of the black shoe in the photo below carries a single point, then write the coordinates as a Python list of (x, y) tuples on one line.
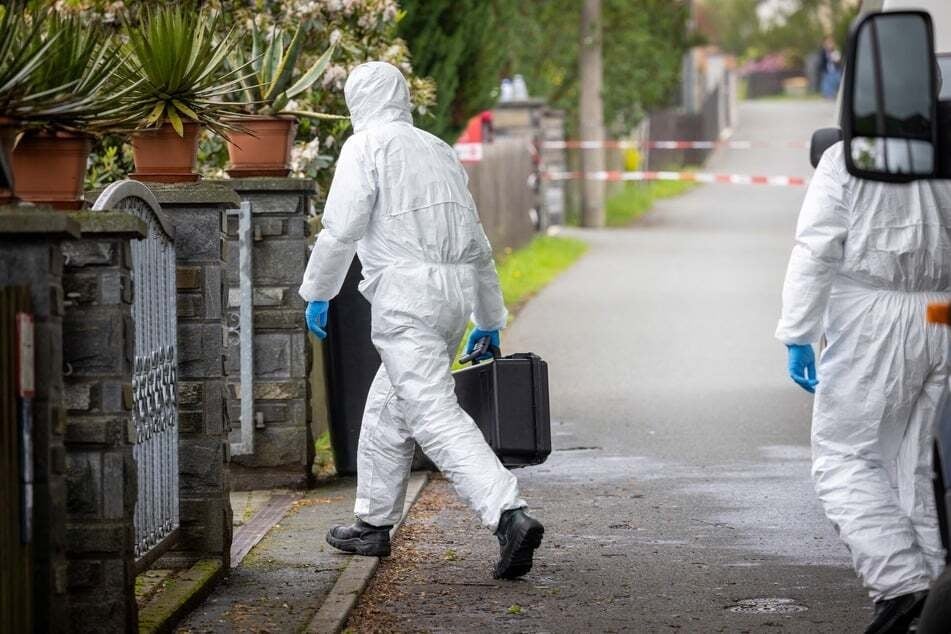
[(519, 535), (361, 538), (894, 616)]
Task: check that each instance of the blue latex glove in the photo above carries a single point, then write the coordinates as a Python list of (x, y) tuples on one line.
[(316, 318), (802, 367), (477, 334)]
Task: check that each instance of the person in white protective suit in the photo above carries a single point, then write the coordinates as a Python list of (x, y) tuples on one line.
[(399, 199), (868, 258)]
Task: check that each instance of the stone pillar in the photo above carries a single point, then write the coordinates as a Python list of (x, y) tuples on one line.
[(283, 452), (98, 345), (30, 256), (197, 212)]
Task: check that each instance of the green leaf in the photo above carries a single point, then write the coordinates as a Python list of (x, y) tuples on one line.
[(285, 71), (280, 103), (316, 115), (156, 113), (312, 75), (256, 48), (272, 57), (176, 122), (188, 112)]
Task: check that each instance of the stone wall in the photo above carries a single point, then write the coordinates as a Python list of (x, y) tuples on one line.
[(283, 446), (197, 211), (98, 340), (30, 256)]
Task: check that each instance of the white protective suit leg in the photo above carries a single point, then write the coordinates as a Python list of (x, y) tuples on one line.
[(418, 319), (915, 456), (882, 381), (384, 456)]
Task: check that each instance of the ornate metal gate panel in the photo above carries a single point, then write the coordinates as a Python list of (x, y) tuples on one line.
[(154, 382)]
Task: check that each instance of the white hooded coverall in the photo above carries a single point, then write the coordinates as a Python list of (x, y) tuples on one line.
[(399, 200), (868, 258)]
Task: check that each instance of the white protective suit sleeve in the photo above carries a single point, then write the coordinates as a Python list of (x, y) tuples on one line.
[(817, 253), (345, 219), (490, 312)]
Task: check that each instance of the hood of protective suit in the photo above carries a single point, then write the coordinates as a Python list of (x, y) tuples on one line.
[(376, 93)]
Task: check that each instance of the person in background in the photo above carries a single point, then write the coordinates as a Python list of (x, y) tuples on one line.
[(399, 199), (830, 69)]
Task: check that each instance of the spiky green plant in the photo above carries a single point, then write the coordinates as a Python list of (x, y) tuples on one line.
[(22, 48), (182, 71), (273, 58), (74, 86)]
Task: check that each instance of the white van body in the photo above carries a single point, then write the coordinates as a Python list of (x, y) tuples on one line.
[(940, 11)]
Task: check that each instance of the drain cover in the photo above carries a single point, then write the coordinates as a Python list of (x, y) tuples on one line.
[(767, 606)]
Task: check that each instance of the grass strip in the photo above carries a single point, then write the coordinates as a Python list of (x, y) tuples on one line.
[(636, 199), (526, 271)]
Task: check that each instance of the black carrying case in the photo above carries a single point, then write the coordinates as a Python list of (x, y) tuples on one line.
[(508, 399)]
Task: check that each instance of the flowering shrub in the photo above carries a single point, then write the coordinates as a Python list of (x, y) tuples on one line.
[(360, 30)]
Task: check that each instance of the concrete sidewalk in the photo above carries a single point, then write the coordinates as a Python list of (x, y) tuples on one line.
[(290, 580)]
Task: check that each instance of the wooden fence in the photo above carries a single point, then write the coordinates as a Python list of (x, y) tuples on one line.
[(500, 184)]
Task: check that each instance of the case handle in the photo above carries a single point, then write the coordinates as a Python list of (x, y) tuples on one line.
[(483, 346)]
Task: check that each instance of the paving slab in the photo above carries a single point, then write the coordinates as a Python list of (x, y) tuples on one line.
[(289, 576), (280, 583)]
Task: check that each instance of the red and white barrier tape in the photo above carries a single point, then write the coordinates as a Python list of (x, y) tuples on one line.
[(673, 145), (698, 177)]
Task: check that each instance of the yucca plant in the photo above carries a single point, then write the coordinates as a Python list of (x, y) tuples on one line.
[(179, 72), (74, 86), (22, 48), (273, 59)]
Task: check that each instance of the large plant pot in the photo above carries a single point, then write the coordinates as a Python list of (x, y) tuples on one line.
[(49, 168), (265, 150), (161, 156)]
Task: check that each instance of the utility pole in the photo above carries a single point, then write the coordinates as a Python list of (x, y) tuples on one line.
[(591, 113)]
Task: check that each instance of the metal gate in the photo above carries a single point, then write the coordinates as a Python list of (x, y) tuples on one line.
[(154, 381)]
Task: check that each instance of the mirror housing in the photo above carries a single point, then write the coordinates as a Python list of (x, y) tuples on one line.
[(822, 140), (890, 98)]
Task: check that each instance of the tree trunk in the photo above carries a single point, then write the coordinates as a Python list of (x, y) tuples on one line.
[(591, 114)]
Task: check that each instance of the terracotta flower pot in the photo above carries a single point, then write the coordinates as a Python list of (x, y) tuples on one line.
[(264, 152), (49, 167), (161, 156)]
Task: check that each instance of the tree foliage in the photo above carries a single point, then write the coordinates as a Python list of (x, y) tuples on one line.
[(643, 46), (460, 45), (735, 26)]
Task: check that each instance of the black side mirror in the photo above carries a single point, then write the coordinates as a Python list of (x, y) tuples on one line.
[(889, 102), (822, 140)]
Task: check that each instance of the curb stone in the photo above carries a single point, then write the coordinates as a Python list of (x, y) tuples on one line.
[(180, 598), (353, 580)]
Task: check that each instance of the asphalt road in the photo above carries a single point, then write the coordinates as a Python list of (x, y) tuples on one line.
[(679, 494)]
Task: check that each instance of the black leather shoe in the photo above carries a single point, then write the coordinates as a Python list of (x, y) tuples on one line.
[(894, 616), (519, 535), (361, 538)]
